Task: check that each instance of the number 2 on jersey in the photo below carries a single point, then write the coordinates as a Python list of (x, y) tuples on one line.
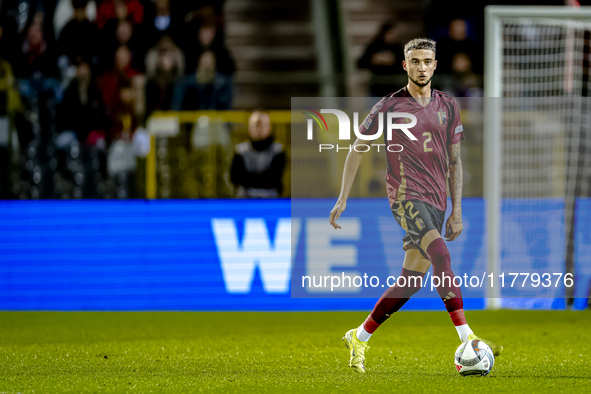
[(427, 140)]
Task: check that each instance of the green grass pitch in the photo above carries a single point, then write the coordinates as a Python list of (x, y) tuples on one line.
[(55, 352)]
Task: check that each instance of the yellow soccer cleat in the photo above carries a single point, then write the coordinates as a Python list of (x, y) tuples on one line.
[(496, 349), (356, 350)]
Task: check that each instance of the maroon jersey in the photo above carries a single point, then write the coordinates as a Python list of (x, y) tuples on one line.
[(419, 171)]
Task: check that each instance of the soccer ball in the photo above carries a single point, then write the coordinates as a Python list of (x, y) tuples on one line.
[(474, 357)]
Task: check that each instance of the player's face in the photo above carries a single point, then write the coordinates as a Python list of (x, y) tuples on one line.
[(259, 126), (420, 65)]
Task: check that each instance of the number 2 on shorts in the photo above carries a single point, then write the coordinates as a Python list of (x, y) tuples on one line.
[(409, 206)]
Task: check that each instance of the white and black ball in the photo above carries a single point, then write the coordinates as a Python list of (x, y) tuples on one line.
[(474, 357)]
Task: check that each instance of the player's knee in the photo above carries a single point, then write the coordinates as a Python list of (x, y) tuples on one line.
[(430, 237), (438, 254)]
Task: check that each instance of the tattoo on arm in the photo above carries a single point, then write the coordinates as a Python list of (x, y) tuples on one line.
[(455, 175)]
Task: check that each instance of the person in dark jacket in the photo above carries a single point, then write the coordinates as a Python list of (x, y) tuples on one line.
[(258, 164), (80, 37), (209, 68), (82, 109), (383, 57)]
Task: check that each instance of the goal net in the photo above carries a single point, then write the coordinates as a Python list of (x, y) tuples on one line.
[(538, 143)]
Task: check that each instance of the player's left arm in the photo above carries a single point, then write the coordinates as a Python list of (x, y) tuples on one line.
[(453, 226)]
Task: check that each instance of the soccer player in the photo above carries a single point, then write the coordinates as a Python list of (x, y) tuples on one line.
[(416, 184)]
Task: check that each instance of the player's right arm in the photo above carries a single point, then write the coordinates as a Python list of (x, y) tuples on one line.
[(351, 166)]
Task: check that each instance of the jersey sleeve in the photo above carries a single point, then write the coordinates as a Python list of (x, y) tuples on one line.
[(370, 124), (455, 132)]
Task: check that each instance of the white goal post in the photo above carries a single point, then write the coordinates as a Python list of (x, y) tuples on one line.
[(532, 55)]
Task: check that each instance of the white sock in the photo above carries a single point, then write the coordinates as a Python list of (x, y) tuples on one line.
[(464, 332), (362, 335)]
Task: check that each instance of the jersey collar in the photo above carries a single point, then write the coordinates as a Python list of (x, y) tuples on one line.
[(407, 93)]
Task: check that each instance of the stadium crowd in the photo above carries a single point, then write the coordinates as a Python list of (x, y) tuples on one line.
[(79, 78)]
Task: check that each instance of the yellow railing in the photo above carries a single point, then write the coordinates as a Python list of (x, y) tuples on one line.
[(280, 121)]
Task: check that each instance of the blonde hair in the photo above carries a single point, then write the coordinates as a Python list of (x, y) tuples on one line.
[(420, 43)]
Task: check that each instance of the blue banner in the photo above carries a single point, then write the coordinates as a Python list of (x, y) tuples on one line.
[(582, 263), (223, 255), (145, 255)]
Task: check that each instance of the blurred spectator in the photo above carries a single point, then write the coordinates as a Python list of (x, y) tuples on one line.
[(165, 63), (121, 32), (124, 121), (165, 46), (64, 12), (209, 68), (258, 164), (9, 41), (36, 70), (9, 99), (79, 38), (464, 82), (81, 143), (29, 12), (131, 10), (36, 55), (112, 81), (9, 103), (383, 57), (201, 10), (207, 38), (457, 41), (160, 21), (82, 109)]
